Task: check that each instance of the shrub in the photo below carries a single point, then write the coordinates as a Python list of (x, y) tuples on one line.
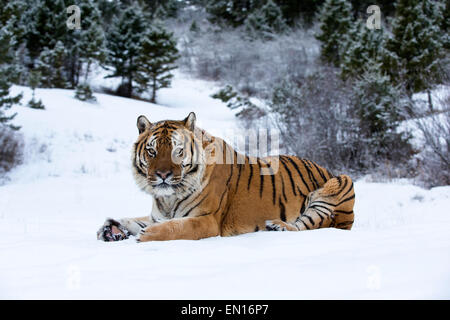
[(11, 148)]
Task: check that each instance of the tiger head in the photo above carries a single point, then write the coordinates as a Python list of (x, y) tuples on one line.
[(168, 157)]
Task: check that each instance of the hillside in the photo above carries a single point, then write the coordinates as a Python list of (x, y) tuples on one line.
[(77, 172)]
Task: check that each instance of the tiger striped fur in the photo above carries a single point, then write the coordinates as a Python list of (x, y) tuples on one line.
[(202, 187)]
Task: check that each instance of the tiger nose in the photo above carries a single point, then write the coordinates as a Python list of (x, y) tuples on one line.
[(163, 174)]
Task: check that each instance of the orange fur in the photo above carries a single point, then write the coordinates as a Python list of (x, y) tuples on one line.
[(230, 198)]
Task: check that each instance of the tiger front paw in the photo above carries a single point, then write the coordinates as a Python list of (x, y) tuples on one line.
[(112, 230)]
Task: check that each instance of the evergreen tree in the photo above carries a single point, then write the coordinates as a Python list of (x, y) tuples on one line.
[(445, 27), (294, 9), (6, 57), (51, 66), (92, 38), (109, 9), (363, 46), (414, 52), (45, 22), (124, 44), (265, 22), (231, 12), (335, 23), (376, 104), (11, 13), (84, 92), (85, 45), (156, 59), (34, 81)]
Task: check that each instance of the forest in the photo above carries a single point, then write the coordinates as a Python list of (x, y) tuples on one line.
[(339, 91)]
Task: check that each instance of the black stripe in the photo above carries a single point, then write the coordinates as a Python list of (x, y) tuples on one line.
[(251, 174), (327, 203), (310, 166), (272, 178), (351, 188), (282, 210), (340, 190), (139, 171), (320, 171), (196, 205), (139, 151), (310, 219), (310, 174), (321, 219), (261, 185), (339, 179), (179, 202), (239, 176), (319, 206), (282, 187), (329, 173), (304, 224), (289, 174), (221, 199), (193, 169), (345, 200), (300, 192), (302, 209), (140, 224), (343, 212), (256, 228), (195, 198), (299, 173), (317, 210), (231, 174), (344, 224)]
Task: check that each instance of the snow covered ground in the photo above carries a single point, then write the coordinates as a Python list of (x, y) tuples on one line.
[(77, 172)]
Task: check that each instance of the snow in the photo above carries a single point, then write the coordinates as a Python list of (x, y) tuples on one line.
[(77, 172)]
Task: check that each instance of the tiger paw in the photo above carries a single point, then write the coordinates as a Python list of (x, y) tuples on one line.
[(112, 230), (278, 225)]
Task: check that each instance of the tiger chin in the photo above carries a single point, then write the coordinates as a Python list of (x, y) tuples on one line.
[(202, 187)]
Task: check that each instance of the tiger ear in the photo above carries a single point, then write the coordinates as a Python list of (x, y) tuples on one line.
[(189, 122), (143, 124)]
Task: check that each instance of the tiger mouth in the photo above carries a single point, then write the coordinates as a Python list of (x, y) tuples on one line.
[(165, 185)]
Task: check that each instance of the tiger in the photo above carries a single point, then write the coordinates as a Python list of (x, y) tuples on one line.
[(202, 187)]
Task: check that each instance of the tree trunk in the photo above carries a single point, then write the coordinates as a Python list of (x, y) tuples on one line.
[(153, 99), (130, 86), (430, 102), (87, 71)]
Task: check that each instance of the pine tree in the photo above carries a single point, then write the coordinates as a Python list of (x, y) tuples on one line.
[(124, 44), (230, 12), (376, 104), (34, 81), (45, 22), (265, 22), (92, 41), (6, 57), (445, 27), (414, 52), (156, 59), (86, 46), (363, 46), (51, 66), (335, 22), (84, 92), (11, 13)]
